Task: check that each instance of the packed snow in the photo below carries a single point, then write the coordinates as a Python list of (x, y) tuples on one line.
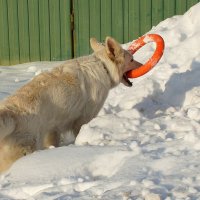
[(145, 142)]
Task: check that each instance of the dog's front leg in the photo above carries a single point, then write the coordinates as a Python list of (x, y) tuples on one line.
[(51, 139), (76, 128), (78, 124), (70, 134)]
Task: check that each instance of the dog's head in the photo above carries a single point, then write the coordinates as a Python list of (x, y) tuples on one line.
[(117, 60)]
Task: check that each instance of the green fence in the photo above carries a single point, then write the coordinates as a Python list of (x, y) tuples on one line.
[(123, 19), (34, 30)]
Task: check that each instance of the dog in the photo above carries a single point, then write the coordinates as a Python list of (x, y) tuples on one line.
[(61, 101)]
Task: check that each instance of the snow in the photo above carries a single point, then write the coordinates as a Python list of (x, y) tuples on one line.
[(145, 142)]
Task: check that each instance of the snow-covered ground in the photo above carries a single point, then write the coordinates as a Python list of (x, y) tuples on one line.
[(145, 142)]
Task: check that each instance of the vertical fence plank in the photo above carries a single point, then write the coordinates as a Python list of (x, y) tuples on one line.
[(33, 9), (4, 40), (84, 30), (44, 30), (66, 34), (181, 6), (145, 16), (76, 28), (54, 8), (117, 20), (95, 26), (23, 31), (169, 8), (126, 20), (84, 27), (106, 18), (95, 20), (157, 11), (134, 19), (13, 31)]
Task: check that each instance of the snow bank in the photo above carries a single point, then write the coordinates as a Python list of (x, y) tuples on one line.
[(145, 142)]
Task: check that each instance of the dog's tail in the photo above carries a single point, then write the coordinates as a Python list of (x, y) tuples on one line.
[(7, 123)]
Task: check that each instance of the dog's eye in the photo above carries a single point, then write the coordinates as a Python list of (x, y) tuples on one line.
[(132, 60)]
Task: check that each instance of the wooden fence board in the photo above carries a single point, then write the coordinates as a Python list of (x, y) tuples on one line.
[(4, 40), (44, 28), (13, 31)]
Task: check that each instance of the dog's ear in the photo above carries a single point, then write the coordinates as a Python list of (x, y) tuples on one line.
[(95, 45), (113, 48)]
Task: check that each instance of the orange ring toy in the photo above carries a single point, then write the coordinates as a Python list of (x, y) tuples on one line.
[(140, 42)]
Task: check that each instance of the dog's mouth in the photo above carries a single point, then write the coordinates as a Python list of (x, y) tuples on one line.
[(126, 81), (133, 65)]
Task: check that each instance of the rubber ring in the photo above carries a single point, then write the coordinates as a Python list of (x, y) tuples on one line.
[(140, 42)]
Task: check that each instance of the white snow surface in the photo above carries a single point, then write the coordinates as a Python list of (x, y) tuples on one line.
[(145, 142)]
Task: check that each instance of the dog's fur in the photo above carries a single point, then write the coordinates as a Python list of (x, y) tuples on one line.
[(60, 101)]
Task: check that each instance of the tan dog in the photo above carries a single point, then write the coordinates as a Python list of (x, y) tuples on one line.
[(60, 101)]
